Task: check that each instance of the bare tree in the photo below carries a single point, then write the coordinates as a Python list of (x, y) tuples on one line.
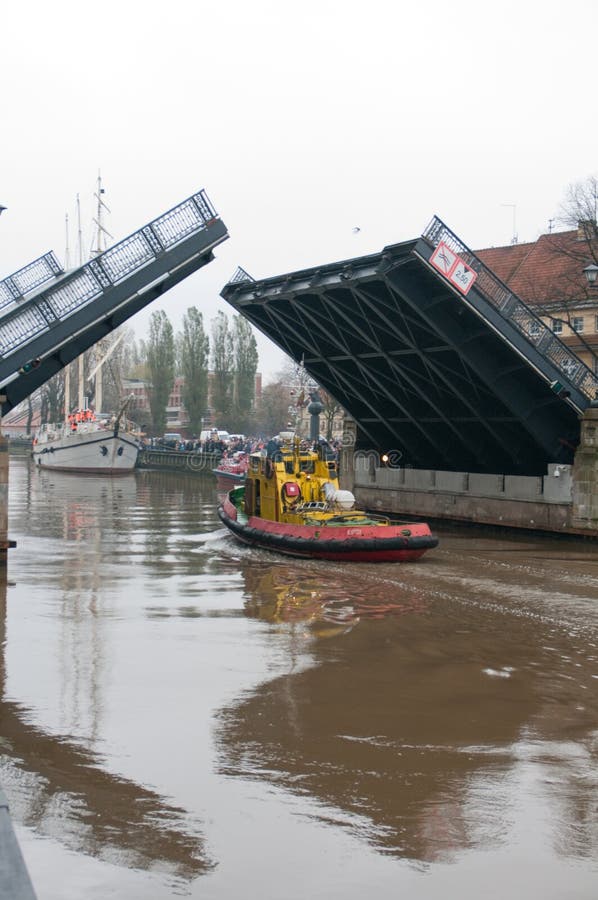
[(579, 208), (300, 383), (331, 410), (272, 412), (567, 289)]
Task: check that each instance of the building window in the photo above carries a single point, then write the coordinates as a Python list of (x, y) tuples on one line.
[(557, 326), (577, 323), (596, 324)]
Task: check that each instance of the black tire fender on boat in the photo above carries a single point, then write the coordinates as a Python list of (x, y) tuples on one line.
[(309, 547)]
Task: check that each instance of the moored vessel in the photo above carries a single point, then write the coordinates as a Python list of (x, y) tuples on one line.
[(86, 444), (231, 471)]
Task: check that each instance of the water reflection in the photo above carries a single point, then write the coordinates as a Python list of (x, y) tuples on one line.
[(370, 715), (414, 725), (59, 783), (321, 601)]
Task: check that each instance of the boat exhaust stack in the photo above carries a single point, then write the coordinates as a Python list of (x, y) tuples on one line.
[(314, 409)]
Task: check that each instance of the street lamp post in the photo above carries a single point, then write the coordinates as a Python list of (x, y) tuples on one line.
[(591, 273)]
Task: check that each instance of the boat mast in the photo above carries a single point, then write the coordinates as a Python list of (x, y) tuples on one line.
[(98, 246), (67, 374), (81, 369)]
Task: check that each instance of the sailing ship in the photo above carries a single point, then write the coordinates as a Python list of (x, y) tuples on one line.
[(86, 441)]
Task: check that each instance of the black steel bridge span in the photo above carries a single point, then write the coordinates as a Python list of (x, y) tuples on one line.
[(48, 317), (430, 353)]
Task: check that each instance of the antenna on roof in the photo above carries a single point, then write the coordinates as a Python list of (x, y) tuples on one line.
[(513, 206), (550, 225)]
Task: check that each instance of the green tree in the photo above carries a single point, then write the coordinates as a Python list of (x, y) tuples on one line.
[(160, 364), (222, 370), (194, 355), (246, 362)]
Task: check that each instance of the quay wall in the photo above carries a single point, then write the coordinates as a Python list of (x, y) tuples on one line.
[(564, 501), (535, 503), (178, 461)]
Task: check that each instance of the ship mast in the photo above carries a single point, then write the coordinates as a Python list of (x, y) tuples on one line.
[(99, 244), (81, 361), (67, 374)]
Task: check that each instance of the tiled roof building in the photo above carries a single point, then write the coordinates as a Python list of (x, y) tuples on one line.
[(548, 275)]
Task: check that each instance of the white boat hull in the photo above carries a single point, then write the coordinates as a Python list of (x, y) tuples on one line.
[(94, 452)]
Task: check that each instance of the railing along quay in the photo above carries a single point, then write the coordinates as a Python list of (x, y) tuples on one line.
[(15, 882), (188, 461)]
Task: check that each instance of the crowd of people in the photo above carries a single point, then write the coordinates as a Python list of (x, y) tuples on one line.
[(215, 445), (212, 444)]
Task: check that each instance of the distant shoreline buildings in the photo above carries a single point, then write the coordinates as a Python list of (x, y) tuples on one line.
[(15, 423)]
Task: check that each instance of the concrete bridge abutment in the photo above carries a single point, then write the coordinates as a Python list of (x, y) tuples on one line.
[(584, 513), (564, 501)]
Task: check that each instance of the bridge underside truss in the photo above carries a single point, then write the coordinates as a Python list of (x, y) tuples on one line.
[(420, 370)]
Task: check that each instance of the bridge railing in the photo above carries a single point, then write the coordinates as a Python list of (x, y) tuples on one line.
[(29, 278), (511, 307), (33, 316), (239, 275)]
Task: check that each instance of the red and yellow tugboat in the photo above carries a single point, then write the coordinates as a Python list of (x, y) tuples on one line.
[(291, 503)]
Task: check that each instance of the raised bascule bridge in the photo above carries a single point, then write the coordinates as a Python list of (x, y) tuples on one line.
[(48, 317), (485, 414), (434, 357)]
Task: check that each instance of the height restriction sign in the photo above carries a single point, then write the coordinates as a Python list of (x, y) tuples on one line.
[(454, 269)]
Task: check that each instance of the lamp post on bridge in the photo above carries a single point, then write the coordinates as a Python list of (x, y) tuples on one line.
[(591, 273)]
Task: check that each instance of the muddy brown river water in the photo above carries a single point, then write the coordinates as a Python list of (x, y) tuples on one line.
[(184, 716)]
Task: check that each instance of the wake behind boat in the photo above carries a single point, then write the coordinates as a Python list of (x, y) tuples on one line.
[(86, 444), (291, 503)]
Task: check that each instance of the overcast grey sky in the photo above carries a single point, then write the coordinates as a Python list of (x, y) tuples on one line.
[(301, 121)]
